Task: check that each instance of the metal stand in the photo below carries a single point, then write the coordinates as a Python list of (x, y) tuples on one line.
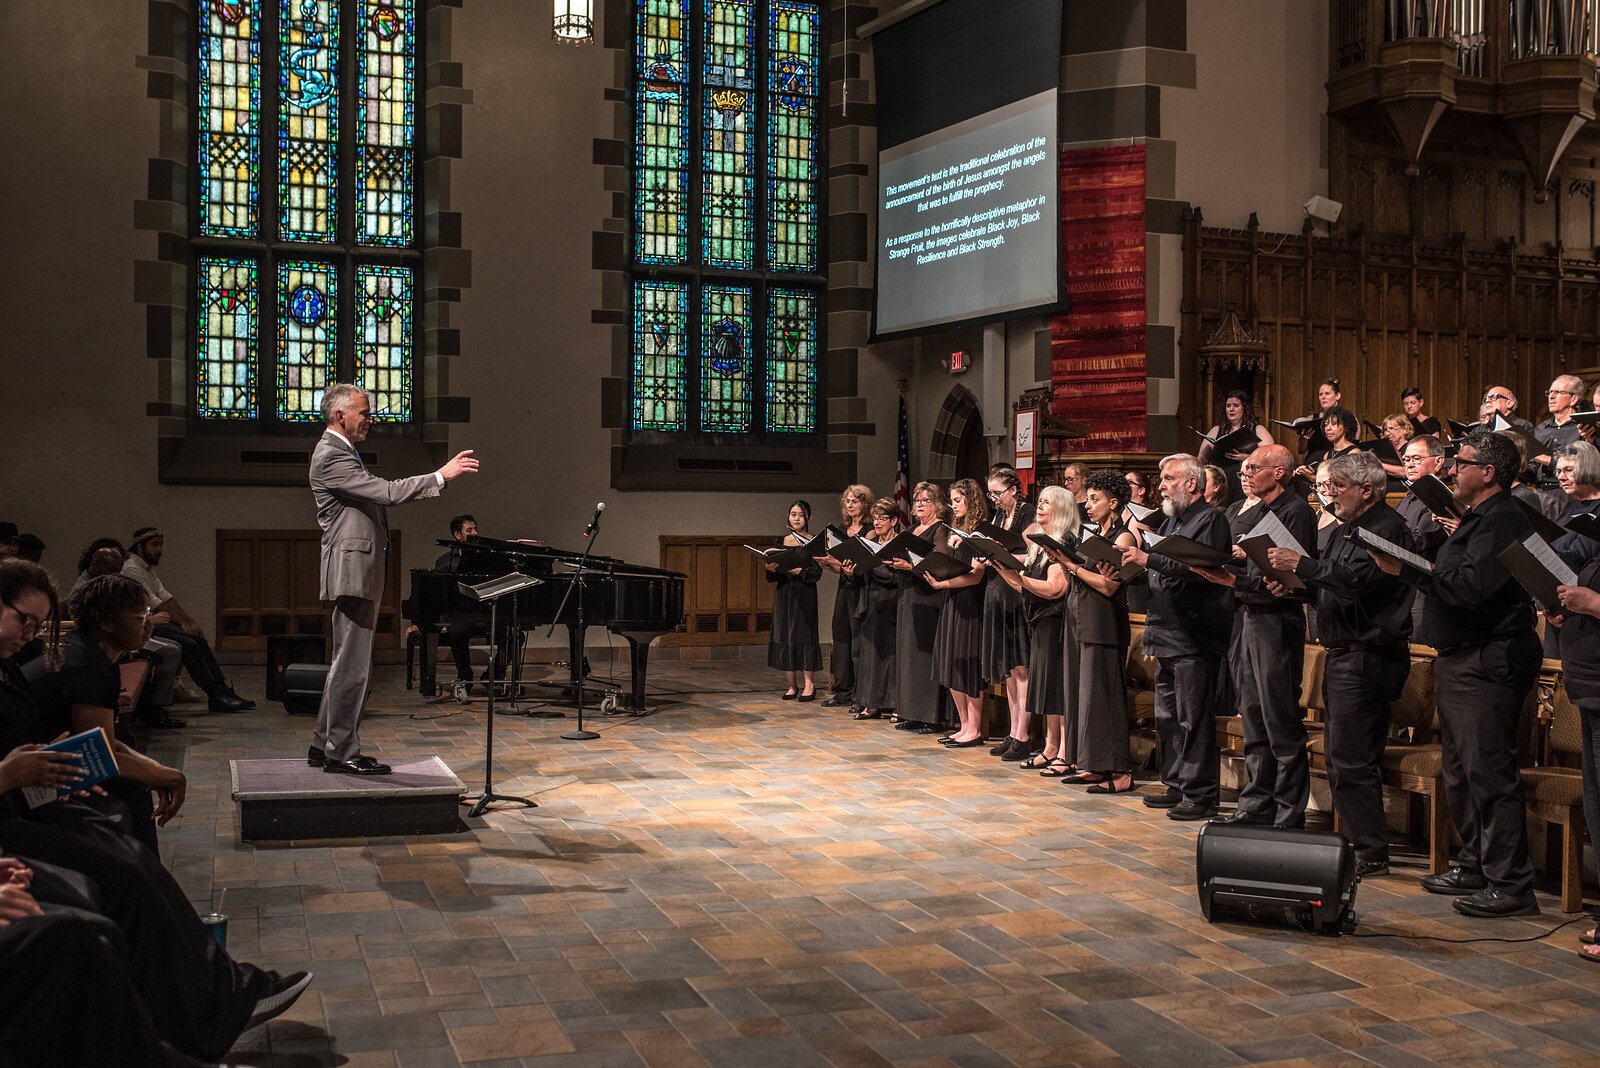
[(581, 734), (492, 592)]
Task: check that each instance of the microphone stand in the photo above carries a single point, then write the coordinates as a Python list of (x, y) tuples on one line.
[(581, 734)]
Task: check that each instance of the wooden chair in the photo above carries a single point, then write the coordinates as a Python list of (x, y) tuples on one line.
[(1141, 680), (1412, 762), (1554, 790), (1230, 729)]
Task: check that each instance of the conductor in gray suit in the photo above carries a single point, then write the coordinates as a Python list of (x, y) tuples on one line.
[(355, 538)]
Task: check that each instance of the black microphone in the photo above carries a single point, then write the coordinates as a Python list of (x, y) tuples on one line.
[(594, 523)]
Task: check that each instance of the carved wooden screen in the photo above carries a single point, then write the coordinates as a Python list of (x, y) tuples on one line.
[(1381, 316)]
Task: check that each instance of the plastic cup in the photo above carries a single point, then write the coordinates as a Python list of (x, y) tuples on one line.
[(217, 923)]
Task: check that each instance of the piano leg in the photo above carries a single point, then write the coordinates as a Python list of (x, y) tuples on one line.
[(575, 653), (633, 701), (430, 656)]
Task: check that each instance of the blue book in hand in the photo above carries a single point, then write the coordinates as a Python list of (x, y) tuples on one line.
[(97, 763)]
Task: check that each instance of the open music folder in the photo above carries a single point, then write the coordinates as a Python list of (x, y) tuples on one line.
[(1389, 548), (1538, 569)]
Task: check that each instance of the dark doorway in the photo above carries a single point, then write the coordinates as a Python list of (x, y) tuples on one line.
[(972, 452)]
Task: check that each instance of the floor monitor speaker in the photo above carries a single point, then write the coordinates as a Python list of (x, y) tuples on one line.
[(302, 688), (1298, 878)]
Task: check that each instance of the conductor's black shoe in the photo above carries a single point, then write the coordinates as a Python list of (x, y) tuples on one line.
[(1492, 904), (361, 765), (315, 757), (1243, 818), (1457, 881), (838, 700), (1371, 867), (1169, 799), (222, 702), (1189, 810)]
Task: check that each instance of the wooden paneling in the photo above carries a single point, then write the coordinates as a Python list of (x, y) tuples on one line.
[(268, 582), (1384, 315), (727, 600)]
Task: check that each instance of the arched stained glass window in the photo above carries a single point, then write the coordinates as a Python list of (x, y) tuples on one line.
[(726, 298), (306, 202)]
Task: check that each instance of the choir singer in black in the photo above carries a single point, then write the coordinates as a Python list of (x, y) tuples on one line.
[(1364, 621), (1481, 621)]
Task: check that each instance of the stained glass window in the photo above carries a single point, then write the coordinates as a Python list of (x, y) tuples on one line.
[(225, 366), (385, 121), (792, 137), (661, 132), (660, 330), (383, 340), (308, 119), (791, 360), (725, 332), (229, 76), (717, 215), (301, 302), (307, 311)]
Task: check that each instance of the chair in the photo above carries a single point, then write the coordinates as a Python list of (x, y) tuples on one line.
[(1140, 672), (135, 674), (1230, 729), (1554, 791), (1412, 761)]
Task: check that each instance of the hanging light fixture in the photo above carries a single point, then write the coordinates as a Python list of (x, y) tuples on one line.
[(574, 22)]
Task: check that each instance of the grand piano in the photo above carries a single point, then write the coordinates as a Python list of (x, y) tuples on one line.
[(637, 603)]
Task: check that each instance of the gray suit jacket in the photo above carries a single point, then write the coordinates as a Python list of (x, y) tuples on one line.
[(355, 524)]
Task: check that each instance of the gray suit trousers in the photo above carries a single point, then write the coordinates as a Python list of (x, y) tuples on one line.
[(339, 716)]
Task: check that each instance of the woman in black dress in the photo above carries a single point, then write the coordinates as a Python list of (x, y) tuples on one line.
[(1005, 622), (877, 674), (1578, 625), (1339, 429), (957, 644), (1313, 439), (855, 504), (793, 646), (1043, 585), (1577, 468), (919, 698), (1099, 610), (1237, 414)]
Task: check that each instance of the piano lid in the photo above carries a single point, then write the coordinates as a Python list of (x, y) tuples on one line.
[(485, 547)]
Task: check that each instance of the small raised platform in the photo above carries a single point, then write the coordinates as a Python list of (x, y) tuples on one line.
[(281, 800)]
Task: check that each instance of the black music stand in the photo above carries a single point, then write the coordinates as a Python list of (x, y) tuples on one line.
[(492, 591), (581, 734)]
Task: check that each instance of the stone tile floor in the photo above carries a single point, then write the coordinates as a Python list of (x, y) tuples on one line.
[(738, 881)]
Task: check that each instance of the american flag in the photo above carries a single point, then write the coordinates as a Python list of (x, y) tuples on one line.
[(902, 474)]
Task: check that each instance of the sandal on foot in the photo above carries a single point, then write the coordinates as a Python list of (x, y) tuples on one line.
[(1109, 786), (1056, 768), (1037, 761), (869, 713), (1590, 952), (1085, 778), (1591, 937)]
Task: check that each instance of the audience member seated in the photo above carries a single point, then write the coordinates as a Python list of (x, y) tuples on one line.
[(82, 694), (104, 556), (199, 999), (176, 625)]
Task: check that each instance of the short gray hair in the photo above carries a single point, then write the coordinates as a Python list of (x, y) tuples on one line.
[(1189, 466), (1585, 462), (1360, 469), (1568, 382), (336, 396)]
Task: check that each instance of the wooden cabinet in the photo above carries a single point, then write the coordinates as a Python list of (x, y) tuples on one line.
[(727, 598)]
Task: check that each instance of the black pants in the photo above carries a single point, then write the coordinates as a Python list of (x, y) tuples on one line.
[(1589, 720), (67, 998), (1272, 647), (198, 998), (846, 635), (1186, 724), (1480, 691), (198, 660), (1358, 687), (505, 649)]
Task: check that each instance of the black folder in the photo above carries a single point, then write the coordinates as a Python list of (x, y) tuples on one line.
[(1538, 569), (1188, 551), (855, 550), (902, 545), (1586, 524), (993, 551), (1382, 448), (1099, 550), (1233, 441), (1012, 540), (941, 566), (1582, 418), (818, 546), (1435, 496), (1302, 424), (1543, 525), (1068, 548), (787, 557)]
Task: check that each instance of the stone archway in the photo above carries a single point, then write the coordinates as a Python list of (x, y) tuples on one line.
[(958, 439)]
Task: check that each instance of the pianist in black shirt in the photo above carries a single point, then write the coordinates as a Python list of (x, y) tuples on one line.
[(462, 529)]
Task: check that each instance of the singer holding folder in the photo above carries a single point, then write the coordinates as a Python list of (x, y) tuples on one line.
[(1482, 623), (794, 646)]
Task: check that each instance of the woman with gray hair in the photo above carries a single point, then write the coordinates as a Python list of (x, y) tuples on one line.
[(1577, 468)]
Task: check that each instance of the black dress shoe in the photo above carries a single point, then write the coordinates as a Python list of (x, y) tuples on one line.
[(838, 700), (243, 701), (1243, 818), (1017, 752), (1491, 904), (790, 696), (315, 757), (927, 728), (166, 721), (1189, 810), (361, 765), (1371, 867), (1004, 747), (807, 696), (908, 725), (222, 702), (1169, 799), (1458, 881)]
